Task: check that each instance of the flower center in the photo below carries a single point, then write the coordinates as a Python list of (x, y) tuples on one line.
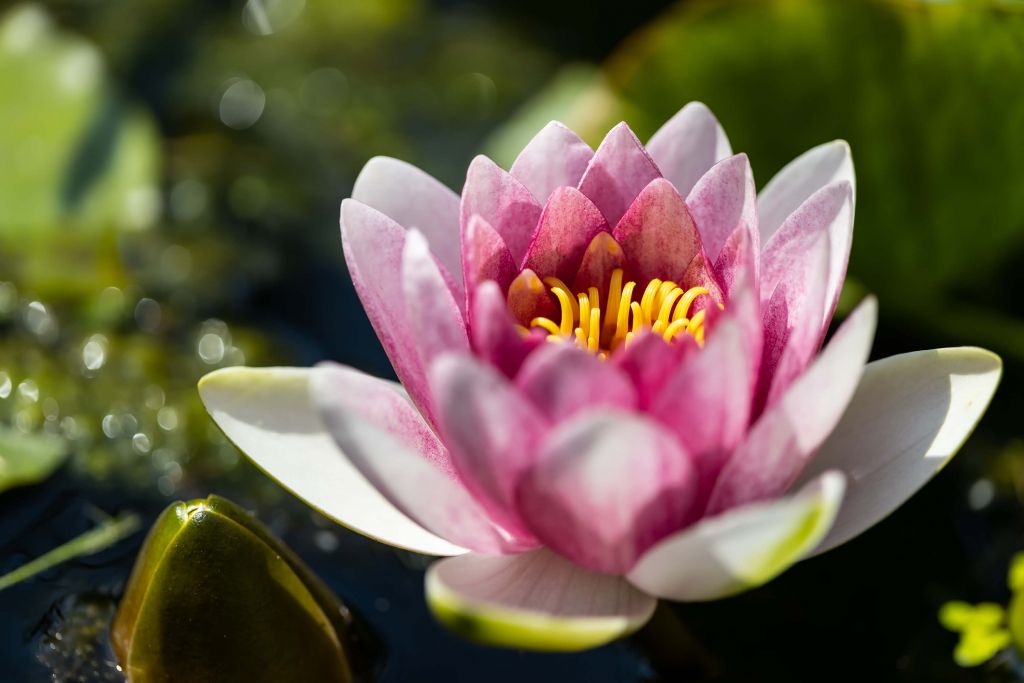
[(663, 308)]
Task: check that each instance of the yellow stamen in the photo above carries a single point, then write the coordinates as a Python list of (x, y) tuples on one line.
[(663, 308)]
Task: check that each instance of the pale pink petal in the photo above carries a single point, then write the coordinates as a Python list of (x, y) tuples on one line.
[(688, 145), (829, 213), (492, 430), (503, 202), (494, 334), (555, 157), (569, 222), (414, 199), (620, 169), (723, 201), (380, 432), (909, 416), (563, 379), (786, 436), (268, 413), (373, 245), (658, 234), (536, 600), (738, 263), (607, 486), (485, 256), (603, 255), (650, 361), (429, 304), (801, 178), (742, 548)]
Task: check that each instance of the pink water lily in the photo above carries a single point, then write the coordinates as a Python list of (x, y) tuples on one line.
[(614, 386)]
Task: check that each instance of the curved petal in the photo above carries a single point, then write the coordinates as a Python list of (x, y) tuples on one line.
[(493, 432), (494, 334), (485, 255), (535, 600), (431, 309), (782, 441), (503, 202), (569, 222), (269, 415), (555, 157), (742, 548), (801, 178), (607, 486), (723, 201), (563, 379), (528, 298), (828, 214), (909, 416), (620, 169), (658, 234), (373, 245), (414, 199), (380, 432), (603, 255), (650, 361), (688, 145)]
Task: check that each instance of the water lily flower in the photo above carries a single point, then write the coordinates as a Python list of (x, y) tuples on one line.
[(614, 386)]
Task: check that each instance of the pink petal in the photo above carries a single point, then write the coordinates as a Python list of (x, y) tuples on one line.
[(373, 245), (414, 199), (607, 486), (688, 145), (801, 178), (503, 202), (618, 172), (493, 432), (723, 201), (429, 304), (494, 334), (829, 213), (650, 361), (555, 157), (738, 264), (603, 255), (485, 255), (787, 435), (658, 234), (385, 438), (569, 222), (528, 298), (563, 379)]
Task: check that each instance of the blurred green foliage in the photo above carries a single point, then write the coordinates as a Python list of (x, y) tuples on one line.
[(927, 93)]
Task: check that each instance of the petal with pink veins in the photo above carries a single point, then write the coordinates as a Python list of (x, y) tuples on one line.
[(603, 255), (494, 334), (414, 199), (723, 201), (649, 361), (485, 255), (607, 486), (373, 245), (380, 433), (563, 379), (268, 413), (908, 418), (429, 304), (658, 234), (688, 145), (620, 169), (528, 298), (493, 432), (801, 178), (568, 224), (503, 202), (555, 157), (786, 436), (536, 600), (742, 548)]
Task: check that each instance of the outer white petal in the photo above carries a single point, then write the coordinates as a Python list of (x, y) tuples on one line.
[(909, 416), (689, 144), (537, 600), (742, 548), (415, 199), (268, 414), (798, 180)]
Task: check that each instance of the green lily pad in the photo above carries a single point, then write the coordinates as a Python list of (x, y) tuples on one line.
[(214, 597), (28, 458)]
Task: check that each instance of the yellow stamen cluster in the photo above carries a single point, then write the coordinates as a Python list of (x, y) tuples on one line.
[(663, 307)]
